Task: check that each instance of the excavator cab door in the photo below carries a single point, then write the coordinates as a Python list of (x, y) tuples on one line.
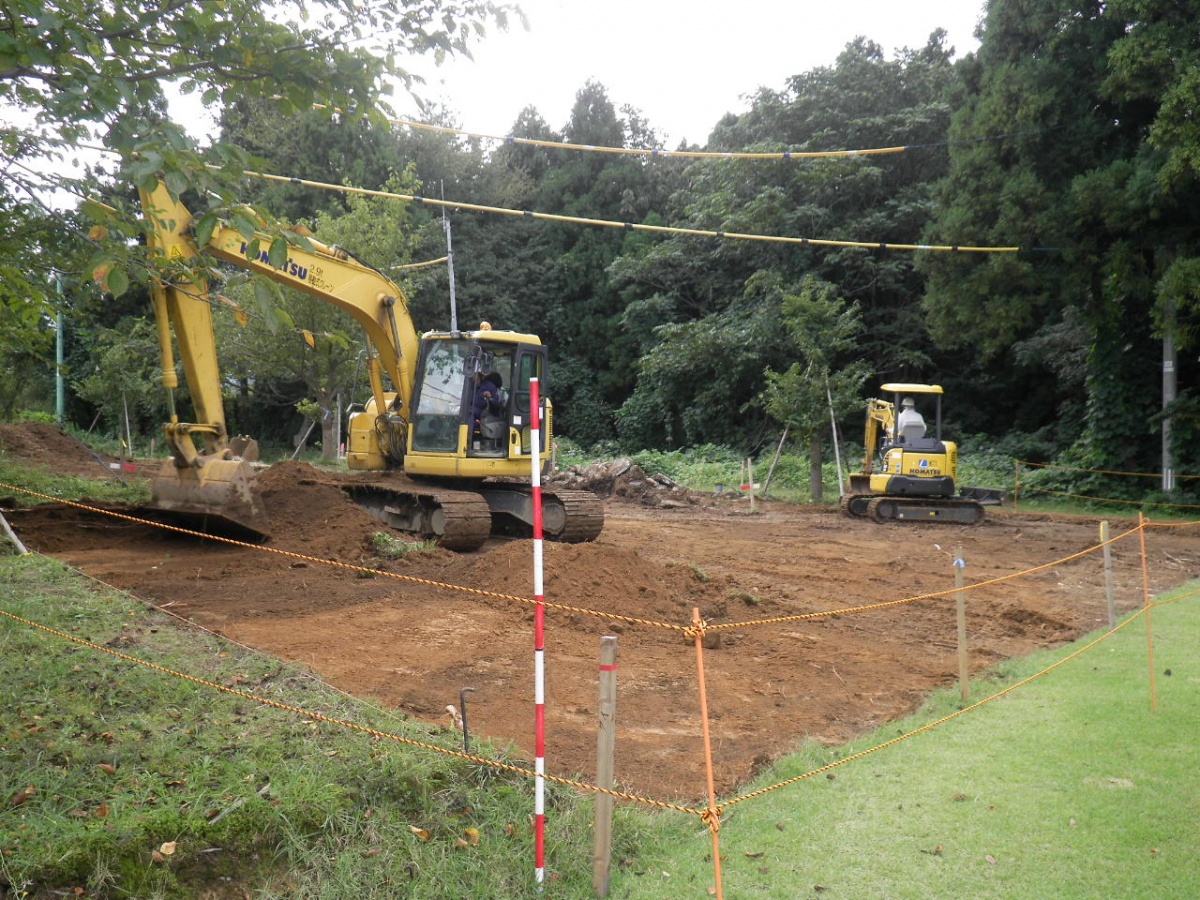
[(529, 362)]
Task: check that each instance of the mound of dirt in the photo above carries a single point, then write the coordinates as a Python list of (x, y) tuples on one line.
[(48, 446)]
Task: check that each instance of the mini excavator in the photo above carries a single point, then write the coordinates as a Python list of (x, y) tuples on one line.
[(422, 459), (909, 475)]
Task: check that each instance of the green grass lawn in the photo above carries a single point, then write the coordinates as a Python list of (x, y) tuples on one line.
[(1071, 786)]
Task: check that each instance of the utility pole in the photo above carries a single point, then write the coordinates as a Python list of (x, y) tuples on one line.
[(60, 403), (1168, 397)]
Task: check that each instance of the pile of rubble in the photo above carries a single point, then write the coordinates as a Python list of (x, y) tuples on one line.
[(623, 479)]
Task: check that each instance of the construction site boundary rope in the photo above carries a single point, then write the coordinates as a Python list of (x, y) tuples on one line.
[(712, 814)]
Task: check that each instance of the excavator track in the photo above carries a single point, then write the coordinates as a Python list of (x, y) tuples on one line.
[(463, 520), (950, 510), (583, 513), (855, 505), (569, 517), (457, 520)]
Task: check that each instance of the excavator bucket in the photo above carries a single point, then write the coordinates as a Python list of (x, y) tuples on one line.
[(219, 497)]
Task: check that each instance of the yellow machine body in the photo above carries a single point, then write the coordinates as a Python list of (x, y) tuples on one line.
[(422, 416)]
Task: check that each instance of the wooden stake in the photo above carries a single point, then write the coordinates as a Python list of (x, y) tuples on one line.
[(605, 744), (1108, 577), (1146, 602), (12, 536), (713, 826), (775, 459)]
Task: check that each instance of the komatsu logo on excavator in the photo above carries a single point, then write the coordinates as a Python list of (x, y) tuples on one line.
[(288, 268)]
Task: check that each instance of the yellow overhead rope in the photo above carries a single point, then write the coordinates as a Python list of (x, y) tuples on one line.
[(628, 226), (630, 151)]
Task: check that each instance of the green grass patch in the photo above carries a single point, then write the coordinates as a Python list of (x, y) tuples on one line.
[(1071, 786), (1068, 787), (39, 479), (125, 781), (122, 781), (388, 546)]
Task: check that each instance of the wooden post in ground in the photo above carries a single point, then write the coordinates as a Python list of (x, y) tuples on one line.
[(1108, 577), (1147, 605), (12, 536), (775, 459), (605, 744)]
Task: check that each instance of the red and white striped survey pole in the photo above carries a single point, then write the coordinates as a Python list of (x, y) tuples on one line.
[(539, 641)]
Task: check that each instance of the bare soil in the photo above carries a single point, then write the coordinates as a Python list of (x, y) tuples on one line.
[(415, 644)]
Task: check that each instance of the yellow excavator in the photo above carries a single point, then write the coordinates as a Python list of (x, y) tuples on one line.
[(425, 459), (909, 473)]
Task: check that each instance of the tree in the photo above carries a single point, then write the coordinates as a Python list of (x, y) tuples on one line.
[(581, 319), (700, 384), (1071, 127), (98, 73), (865, 100), (307, 144), (123, 380), (824, 329)]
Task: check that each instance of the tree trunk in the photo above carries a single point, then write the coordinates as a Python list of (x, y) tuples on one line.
[(815, 485), (329, 443)]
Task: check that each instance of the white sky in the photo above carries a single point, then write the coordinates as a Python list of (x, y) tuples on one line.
[(683, 63)]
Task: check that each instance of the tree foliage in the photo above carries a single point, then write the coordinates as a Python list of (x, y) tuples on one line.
[(91, 73), (1071, 124)]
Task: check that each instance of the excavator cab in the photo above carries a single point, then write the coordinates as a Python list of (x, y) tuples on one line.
[(451, 418), (448, 431)]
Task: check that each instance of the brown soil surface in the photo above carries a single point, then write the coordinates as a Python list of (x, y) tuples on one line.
[(414, 644)]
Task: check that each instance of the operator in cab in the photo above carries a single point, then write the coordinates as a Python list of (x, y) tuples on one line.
[(909, 418)]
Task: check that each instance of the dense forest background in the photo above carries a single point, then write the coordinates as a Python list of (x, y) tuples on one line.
[(1072, 134)]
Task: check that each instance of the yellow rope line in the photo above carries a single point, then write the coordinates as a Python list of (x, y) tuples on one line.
[(628, 226), (709, 815), (1171, 524), (688, 630), (615, 617), (352, 726), (420, 265), (1021, 462), (942, 721), (1176, 598), (931, 596), (630, 151), (1032, 488)]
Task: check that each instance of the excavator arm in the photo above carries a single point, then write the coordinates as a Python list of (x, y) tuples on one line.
[(208, 476), (328, 273), (881, 417)]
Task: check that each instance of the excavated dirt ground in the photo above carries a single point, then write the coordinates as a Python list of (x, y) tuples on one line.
[(414, 645)]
